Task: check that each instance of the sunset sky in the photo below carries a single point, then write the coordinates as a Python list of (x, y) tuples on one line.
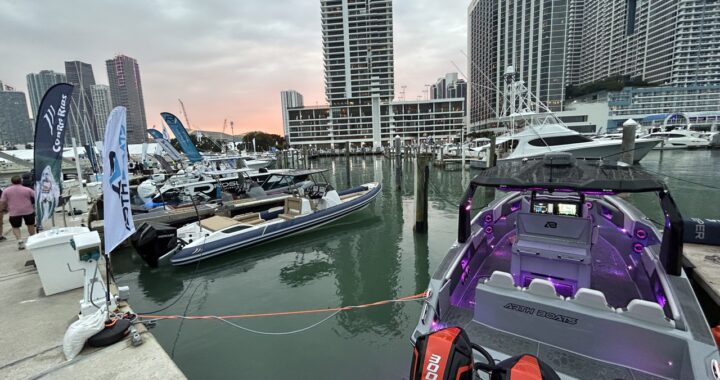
[(224, 59)]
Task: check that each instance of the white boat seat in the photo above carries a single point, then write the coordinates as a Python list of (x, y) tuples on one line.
[(247, 217), (217, 223), (591, 298), (648, 311), (500, 279), (554, 246), (287, 216), (542, 288)]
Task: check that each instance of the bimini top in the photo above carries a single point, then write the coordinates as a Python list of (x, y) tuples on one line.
[(561, 172)]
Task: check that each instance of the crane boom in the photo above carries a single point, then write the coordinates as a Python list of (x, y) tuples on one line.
[(187, 120)]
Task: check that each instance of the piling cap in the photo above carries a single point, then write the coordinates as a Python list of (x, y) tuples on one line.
[(630, 123)]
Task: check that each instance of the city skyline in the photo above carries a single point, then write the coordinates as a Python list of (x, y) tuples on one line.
[(235, 70)]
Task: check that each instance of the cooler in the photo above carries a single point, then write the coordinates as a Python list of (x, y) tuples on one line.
[(78, 204), (52, 253)]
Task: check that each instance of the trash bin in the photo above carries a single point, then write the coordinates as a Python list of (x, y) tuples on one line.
[(53, 253)]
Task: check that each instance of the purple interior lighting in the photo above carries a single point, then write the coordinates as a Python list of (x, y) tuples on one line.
[(638, 247), (488, 218), (468, 207), (640, 233), (660, 295), (563, 287), (606, 213), (515, 206), (598, 192), (489, 230), (589, 205)]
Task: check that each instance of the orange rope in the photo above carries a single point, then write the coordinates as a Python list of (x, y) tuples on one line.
[(311, 311)]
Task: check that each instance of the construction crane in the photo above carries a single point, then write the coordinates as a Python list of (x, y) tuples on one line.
[(187, 120), (224, 125)]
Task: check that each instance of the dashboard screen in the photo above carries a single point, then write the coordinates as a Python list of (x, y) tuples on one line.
[(569, 209), (556, 208)]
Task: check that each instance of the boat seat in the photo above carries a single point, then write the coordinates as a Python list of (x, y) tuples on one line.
[(647, 311), (554, 246), (591, 298), (542, 288), (287, 216), (217, 222), (293, 205), (500, 279), (247, 217)]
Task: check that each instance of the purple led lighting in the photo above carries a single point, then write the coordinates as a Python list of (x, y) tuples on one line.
[(589, 205), (624, 231), (489, 230), (638, 248), (515, 206), (488, 218), (660, 295), (468, 207), (598, 192), (640, 233)]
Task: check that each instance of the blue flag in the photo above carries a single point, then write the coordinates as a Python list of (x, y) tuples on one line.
[(182, 137)]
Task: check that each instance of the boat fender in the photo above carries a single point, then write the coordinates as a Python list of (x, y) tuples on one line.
[(701, 231)]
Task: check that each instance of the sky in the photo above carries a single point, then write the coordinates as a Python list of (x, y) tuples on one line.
[(224, 59)]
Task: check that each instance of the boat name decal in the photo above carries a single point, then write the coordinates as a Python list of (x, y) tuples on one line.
[(541, 313), (551, 225)]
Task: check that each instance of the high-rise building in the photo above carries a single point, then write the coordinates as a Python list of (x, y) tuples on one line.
[(15, 126), (39, 83), (448, 86), (126, 90), (359, 86), (81, 121), (102, 101), (359, 69), (289, 99), (482, 63)]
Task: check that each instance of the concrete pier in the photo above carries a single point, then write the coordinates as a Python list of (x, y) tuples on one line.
[(34, 326)]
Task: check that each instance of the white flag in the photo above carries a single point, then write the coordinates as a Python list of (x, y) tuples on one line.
[(254, 149), (118, 221)]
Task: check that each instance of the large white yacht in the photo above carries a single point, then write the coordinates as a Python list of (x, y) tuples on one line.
[(533, 130)]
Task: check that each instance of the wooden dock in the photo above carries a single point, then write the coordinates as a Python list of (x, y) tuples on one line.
[(703, 265)]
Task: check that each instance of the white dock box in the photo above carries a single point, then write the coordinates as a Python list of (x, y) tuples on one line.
[(78, 204), (53, 253)]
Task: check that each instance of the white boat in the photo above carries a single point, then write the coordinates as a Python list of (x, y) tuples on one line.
[(532, 133), (679, 139), (561, 268)]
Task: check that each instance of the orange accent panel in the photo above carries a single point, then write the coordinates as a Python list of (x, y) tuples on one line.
[(527, 368)]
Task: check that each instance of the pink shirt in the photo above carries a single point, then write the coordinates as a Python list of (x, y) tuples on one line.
[(19, 200)]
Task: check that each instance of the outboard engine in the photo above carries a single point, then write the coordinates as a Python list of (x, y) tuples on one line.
[(447, 354), (152, 241)]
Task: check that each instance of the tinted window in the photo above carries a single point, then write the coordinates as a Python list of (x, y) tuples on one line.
[(559, 140)]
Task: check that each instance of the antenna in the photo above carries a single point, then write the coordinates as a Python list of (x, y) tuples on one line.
[(187, 120)]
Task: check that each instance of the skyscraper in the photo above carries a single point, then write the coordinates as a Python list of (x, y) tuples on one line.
[(39, 83), (103, 105), (359, 69), (15, 126), (82, 117), (126, 90), (289, 99), (448, 86)]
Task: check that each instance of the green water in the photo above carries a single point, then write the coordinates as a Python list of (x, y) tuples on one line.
[(365, 257)]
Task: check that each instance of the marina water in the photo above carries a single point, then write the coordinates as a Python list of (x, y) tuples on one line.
[(368, 256)]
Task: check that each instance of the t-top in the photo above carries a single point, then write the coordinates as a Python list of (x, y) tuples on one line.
[(19, 200)]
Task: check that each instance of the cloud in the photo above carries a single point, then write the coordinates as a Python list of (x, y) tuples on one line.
[(224, 59)]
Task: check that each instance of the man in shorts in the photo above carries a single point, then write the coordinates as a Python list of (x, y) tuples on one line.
[(18, 200)]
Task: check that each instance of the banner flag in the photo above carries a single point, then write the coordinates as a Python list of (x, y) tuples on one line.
[(164, 144), (90, 153), (165, 134), (118, 219), (49, 142), (182, 137), (155, 134)]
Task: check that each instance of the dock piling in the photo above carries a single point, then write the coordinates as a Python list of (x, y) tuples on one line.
[(398, 164), (627, 147), (421, 192), (347, 162)]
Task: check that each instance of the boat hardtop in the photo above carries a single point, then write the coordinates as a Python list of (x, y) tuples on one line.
[(563, 268)]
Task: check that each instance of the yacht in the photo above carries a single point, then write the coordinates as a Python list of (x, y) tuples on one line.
[(563, 268), (679, 139), (534, 130)]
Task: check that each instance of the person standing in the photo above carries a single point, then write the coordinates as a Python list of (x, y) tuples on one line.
[(18, 200), (2, 216)]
